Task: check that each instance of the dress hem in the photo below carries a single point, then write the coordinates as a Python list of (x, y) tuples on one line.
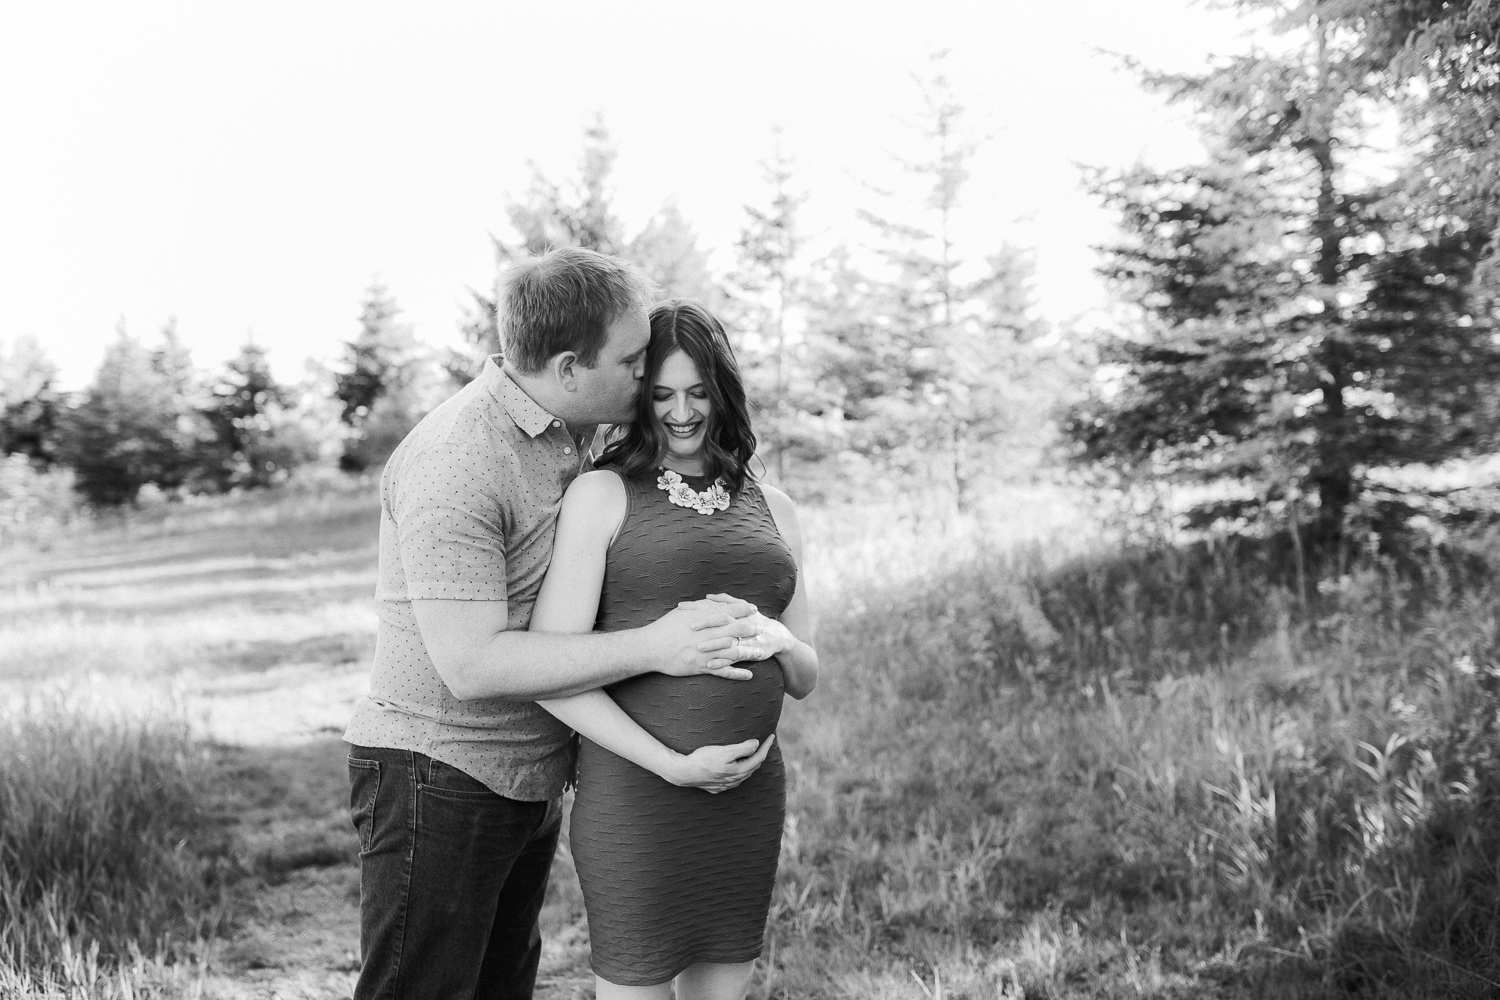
[(680, 968)]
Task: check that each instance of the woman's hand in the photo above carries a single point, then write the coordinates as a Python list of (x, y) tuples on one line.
[(771, 637), (717, 769), (768, 638)]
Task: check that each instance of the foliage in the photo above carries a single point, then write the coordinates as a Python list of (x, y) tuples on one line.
[(134, 425), (1052, 772), (255, 440), (952, 329), (582, 213), (1131, 799), (667, 250), (30, 403), (105, 849), (1441, 60), (766, 314), (384, 383), (1301, 330), (36, 504), (583, 218)]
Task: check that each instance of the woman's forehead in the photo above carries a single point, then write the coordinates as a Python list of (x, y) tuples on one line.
[(678, 369)]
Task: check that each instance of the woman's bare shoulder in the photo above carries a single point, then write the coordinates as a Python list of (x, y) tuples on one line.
[(599, 492)]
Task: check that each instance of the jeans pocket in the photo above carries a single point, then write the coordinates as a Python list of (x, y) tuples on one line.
[(364, 787), (449, 782)]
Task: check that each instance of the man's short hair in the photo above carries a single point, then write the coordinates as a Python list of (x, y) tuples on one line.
[(564, 300)]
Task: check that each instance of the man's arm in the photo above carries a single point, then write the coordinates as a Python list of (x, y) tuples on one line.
[(477, 657)]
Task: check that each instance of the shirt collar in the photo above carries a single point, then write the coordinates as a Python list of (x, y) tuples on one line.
[(525, 411)]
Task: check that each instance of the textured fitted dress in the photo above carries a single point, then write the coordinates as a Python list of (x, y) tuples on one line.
[(675, 876)]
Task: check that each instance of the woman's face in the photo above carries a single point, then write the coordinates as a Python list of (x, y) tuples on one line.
[(680, 403)]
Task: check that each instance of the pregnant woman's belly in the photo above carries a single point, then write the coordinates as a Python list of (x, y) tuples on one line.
[(686, 713)]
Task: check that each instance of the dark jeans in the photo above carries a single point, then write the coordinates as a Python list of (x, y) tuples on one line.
[(451, 880)]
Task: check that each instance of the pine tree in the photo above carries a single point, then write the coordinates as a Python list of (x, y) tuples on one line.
[(667, 250), (383, 382), (585, 219), (133, 425), (30, 403), (548, 218), (767, 299), (1301, 330), (479, 333), (1441, 60), (255, 443), (937, 318), (180, 405)]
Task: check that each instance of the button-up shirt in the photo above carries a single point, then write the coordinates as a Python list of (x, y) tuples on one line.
[(468, 509)]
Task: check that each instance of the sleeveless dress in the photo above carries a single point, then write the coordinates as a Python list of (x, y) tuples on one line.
[(675, 876)]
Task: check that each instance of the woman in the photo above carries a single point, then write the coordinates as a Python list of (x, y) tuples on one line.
[(677, 881)]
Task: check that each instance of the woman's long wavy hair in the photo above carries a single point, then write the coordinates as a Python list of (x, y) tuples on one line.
[(637, 448)]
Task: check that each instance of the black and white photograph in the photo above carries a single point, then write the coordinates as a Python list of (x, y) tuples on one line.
[(948, 500)]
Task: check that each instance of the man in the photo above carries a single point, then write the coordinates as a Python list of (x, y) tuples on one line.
[(456, 775)]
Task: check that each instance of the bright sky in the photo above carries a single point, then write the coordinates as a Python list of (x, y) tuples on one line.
[(251, 168)]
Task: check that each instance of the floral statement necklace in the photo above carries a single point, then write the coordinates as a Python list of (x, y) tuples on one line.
[(716, 497)]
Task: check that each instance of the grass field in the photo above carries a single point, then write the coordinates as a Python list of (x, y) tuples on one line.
[(1036, 766)]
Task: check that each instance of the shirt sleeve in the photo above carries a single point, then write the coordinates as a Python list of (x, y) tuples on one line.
[(452, 517)]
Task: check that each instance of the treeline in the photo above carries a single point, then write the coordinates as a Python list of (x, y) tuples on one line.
[(1301, 322), (893, 360), (152, 419)]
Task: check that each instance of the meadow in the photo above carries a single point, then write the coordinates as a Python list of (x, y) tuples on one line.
[(1042, 762)]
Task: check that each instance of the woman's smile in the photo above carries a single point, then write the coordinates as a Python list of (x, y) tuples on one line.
[(681, 405)]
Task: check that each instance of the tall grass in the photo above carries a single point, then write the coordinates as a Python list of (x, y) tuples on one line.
[(1158, 773), (1034, 767), (109, 862)]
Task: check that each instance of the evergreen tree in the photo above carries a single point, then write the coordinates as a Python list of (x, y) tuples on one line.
[(30, 403), (1441, 60), (1451, 48), (383, 383), (549, 217), (180, 405), (480, 337), (254, 443), (767, 300), (586, 219), (936, 310), (862, 371), (667, 250), (1301, 330), (132, 426)]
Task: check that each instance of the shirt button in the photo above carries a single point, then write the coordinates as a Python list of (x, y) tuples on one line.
[(557, 423), (567, 451)]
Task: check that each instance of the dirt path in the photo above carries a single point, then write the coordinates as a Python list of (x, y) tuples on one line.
[(285, 798)]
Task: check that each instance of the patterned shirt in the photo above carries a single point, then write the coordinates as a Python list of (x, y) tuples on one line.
[(468, 508)]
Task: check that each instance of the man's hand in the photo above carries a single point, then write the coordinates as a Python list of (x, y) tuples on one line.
[(730, 605), (689, 637), (719, 768)]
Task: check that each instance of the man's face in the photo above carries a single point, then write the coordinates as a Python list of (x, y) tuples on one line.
[(610, 388)]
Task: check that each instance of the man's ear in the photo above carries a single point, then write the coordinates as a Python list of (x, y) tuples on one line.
[(564, 367)]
